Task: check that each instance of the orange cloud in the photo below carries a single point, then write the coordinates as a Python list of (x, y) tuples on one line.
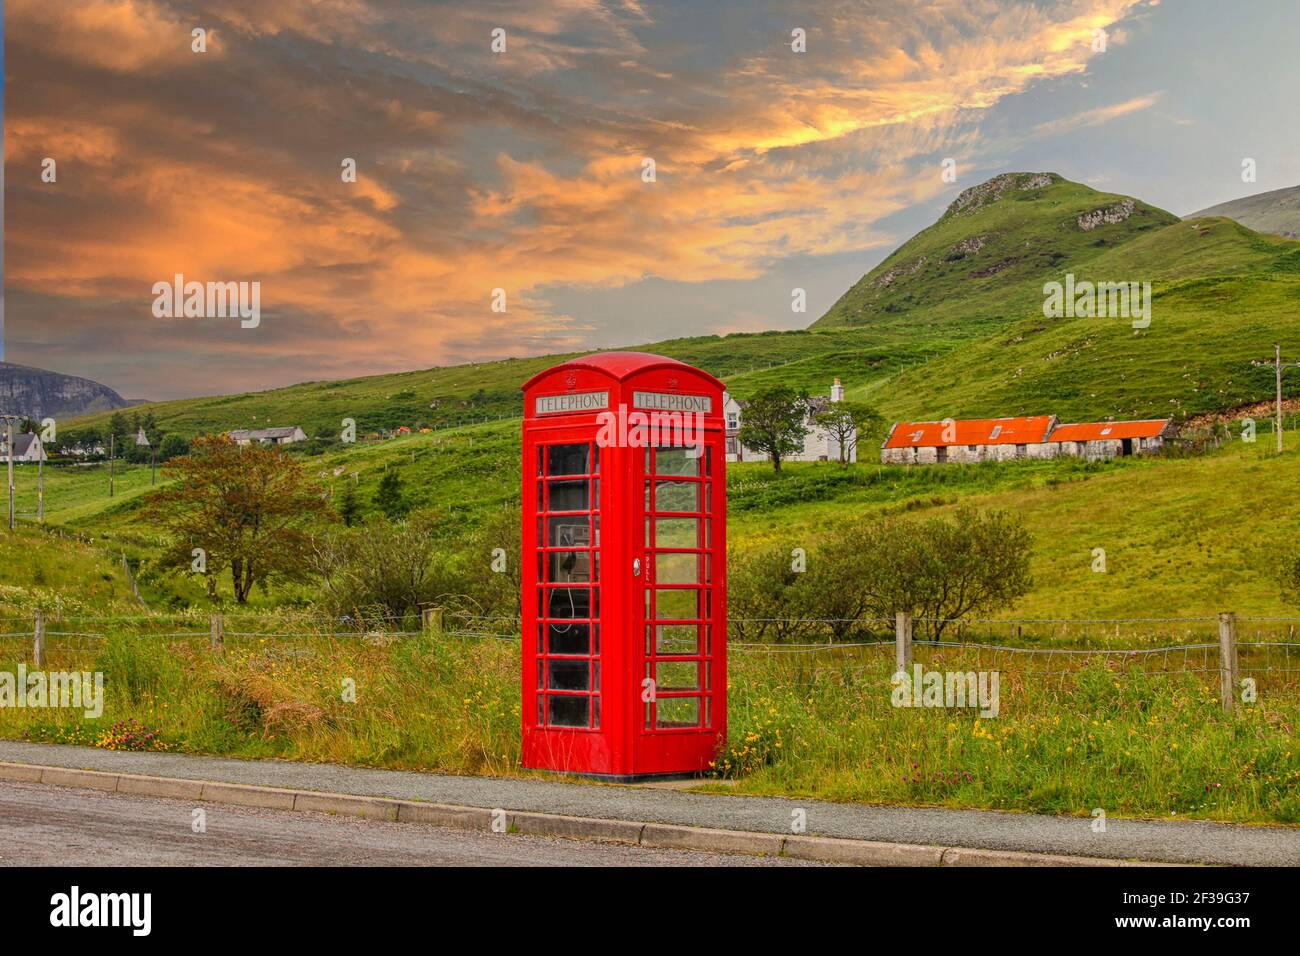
[(476, 171)]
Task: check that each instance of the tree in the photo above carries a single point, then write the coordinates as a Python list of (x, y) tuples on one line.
[(173, 446), (776, 423), (490, 567), (119, 429), (939, 570), (380, 569), (845, 422), (389, 498), (349, 507), (247, 508)]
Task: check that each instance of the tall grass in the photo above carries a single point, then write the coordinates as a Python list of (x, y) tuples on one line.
[(1125, 735)]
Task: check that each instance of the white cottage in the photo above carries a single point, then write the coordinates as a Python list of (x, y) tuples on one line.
[(27, 447), (818, 444), (267, 436)]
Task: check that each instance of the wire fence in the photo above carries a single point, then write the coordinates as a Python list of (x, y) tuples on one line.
[(1049, 647)]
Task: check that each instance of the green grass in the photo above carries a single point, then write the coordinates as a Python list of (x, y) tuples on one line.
[(1176, 544), (40, 569), (1182, 536), (1133, 741), (1122, 738)]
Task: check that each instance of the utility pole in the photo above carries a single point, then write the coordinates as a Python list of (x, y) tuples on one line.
[(1277, 363), (40, 486), (110, 464), (9, 455)]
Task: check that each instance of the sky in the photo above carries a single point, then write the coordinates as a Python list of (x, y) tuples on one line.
[(524, 169)]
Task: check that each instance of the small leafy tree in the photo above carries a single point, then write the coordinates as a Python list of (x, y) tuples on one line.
[(939, 570), (380, 569), (349, 506), (119, 429), (845, 422), (491, 572), (775, 423), (173, 446), (248, 509), (389, 498)]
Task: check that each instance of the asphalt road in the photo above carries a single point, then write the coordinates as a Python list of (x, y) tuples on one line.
[(1164, 840), (47, 826)]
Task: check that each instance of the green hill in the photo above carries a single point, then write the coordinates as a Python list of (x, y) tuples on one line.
[(1276, 211), (950, 324), (989, 254), (487, 391)]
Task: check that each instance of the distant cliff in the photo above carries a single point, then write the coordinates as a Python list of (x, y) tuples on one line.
[(39, 393)]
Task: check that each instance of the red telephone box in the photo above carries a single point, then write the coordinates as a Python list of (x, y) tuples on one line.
[(624, 567)]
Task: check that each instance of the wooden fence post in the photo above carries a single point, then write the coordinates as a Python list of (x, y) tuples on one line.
[(38, 646), (218, 634), (903, 641), (431, 619), (1228, 661)]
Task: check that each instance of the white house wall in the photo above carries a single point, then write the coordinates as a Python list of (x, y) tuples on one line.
[(965, 455)]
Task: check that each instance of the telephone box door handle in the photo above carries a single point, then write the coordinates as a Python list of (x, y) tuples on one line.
[(636, 567)]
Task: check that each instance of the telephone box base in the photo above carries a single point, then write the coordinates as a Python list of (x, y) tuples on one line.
[(627, 777)]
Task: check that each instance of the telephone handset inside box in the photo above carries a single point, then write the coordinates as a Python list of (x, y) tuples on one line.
[(570, 567)]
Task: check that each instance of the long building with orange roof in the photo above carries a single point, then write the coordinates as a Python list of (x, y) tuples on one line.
[(969, 441)]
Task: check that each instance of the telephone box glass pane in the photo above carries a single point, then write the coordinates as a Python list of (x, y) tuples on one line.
[(570, 567), (676, 638), (677, 496), (567, 459), (568, 711), (569, 675), (677, 533), (677, 568), (674, 712), (568, 532), (570, 638), (676, 461), (677, 675), (676, 604), (567, 604), (570, 496)]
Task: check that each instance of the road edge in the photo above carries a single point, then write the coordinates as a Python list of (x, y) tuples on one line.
[(532, 823)]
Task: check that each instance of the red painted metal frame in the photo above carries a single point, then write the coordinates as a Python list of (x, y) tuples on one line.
[(626, 742)]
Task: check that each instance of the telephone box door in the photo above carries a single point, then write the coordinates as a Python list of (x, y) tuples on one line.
[(682, 615)]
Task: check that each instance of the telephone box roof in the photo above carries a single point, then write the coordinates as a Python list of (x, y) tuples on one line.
[(622, 365)]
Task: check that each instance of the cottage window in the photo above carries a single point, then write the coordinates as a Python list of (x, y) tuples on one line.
[(997, 430)]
